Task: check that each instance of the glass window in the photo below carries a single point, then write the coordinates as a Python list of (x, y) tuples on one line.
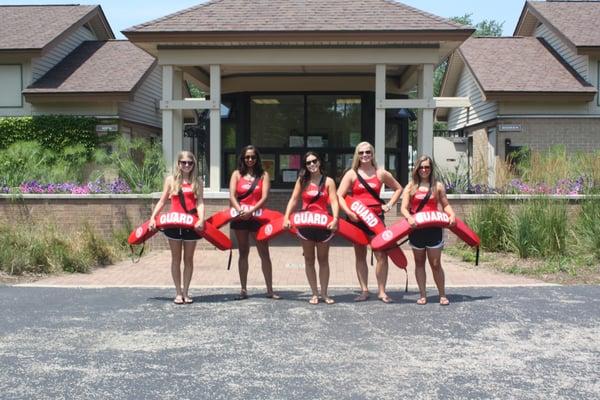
[(333, 121), (277, 121)]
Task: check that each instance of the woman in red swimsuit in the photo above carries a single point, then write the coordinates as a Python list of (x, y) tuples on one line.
[(316, 190), (184, 180), (363, 164), (248, 191), (425, 193)]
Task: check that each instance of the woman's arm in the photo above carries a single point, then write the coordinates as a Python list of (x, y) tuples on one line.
[(161, 202), (388, 179), (200, 204), (266, 186), (292, 204), (335, 204), (404, 206), (345, 185), (443, 200), (233, 181)]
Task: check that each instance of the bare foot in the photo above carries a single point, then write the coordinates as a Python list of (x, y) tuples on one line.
[(444, 301), (328, 300), (363, 296), (314, 300), (187, 299), (178, 299), (273, 296), (422, 301), (386, 299), (243, 295)]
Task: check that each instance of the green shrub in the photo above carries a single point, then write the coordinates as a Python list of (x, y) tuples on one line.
[(491, 221), (587, 230), (540, 229), (139, 163), (46, 249), (54, 132), (29, 161)]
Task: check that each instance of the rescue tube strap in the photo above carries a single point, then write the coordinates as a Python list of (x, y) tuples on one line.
[(250, 190), (229, 262), (182, 201), (138, 256), (371, 191), (423, 202), (316, 197)]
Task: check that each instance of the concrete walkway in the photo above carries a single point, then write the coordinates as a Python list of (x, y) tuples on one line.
[(288, 272)]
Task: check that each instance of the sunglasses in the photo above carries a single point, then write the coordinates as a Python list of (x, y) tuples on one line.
[(188, 163), (366, 152), (425, 167), (313, 161), (250, 158)]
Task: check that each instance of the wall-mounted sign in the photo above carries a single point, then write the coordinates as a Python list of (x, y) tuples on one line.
[(510, 128), (107, 128)]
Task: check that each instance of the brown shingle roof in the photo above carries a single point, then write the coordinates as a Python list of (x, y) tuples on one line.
[(34, 27), (519, 65), (113, 66), (298, 16), (577, 20)]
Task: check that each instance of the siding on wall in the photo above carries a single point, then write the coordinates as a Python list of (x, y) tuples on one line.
[(480, 110), (56, 54), (143, 108), (579, 63)]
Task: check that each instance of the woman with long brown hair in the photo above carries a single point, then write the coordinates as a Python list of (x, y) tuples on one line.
[(426, 193), (316, 191), (364, 171), (248, 191), (185, 190)]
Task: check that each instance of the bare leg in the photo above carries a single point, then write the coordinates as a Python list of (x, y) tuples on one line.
[(242, 237), (381, 271), (188, 268), (176, 247), (267, 266), (421, 275), (362, 272), (435, 261), (308, 248), (323, 257)]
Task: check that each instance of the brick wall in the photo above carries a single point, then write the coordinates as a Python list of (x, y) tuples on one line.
[(108, 213)]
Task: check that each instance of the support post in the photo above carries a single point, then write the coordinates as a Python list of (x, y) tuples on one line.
[(167, 116), (380, 77), (425, 115), (215, 128)]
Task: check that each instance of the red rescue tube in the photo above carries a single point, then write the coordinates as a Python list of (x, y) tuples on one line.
[(375, 224), (310, 219), (424, 219), (263, 215), (181, 220)]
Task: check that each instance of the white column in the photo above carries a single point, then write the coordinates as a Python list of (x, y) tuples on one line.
[(425, 116), (177, 114), (167, 116), (380, 114), (215, 128)]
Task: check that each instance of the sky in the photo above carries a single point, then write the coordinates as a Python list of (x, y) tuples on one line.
[(123, 14)]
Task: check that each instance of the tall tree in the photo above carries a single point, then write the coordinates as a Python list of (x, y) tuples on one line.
[(487, 27)]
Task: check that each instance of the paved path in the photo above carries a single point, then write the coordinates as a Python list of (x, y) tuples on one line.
[(113, 343), (288, 272)]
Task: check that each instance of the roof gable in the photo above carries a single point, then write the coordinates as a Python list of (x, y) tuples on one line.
[(114, 66), (34, 28), (576, 21), (298, 16), (520, 66)]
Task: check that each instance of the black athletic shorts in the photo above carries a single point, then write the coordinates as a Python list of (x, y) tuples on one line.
[(431, 238), (315, 234), (181, 234), (251, 225), (363, 227)]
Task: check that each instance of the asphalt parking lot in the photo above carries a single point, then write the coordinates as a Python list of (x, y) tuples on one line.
[(510, 342)]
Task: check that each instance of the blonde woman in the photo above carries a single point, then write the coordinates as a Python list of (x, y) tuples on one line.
[(425, 193), (365, 169), (185, 189)]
